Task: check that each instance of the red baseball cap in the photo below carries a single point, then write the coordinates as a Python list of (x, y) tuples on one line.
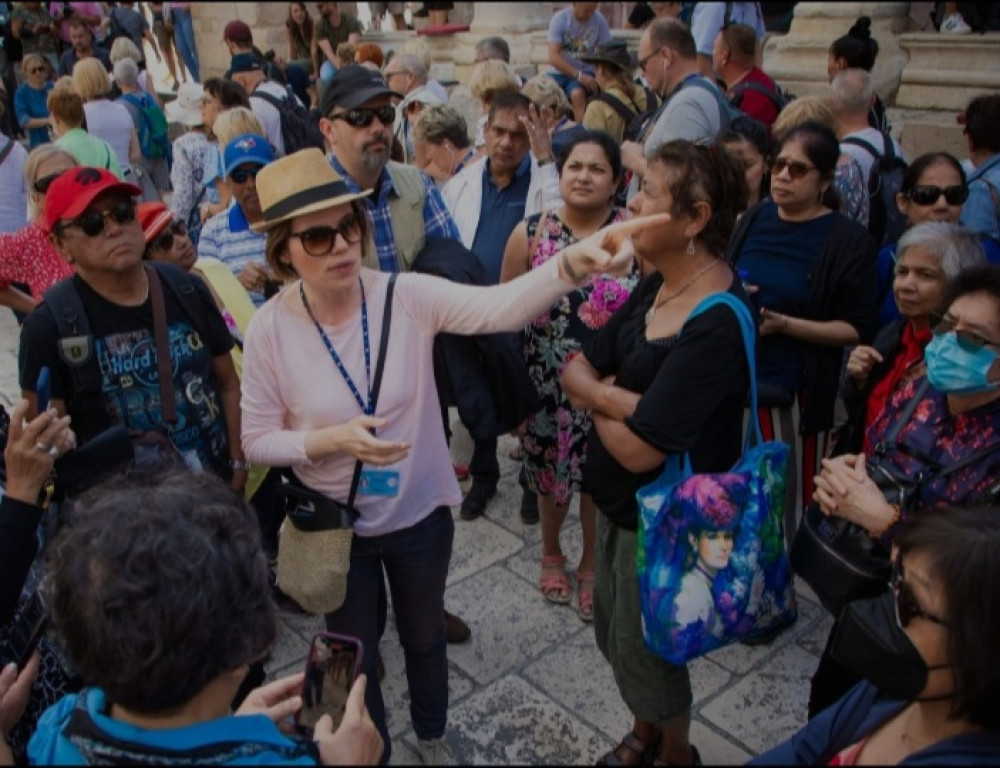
[(238, 32), (154, 217), (75, 189)]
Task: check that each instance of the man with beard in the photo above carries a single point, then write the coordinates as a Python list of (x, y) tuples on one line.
[(404, 204), (227, 236)]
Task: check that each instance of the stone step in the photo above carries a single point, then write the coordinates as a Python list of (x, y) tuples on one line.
[(947, 71)]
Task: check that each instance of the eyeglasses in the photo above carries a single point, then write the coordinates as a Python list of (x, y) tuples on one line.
[(927, 194), (968, 340), (165, 242), (362, 118), (907, 607), (796, 168), (241, 175), (319, 241), (645, 59), (92, 222), (42, 185)]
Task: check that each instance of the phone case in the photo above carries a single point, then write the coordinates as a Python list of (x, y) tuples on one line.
[(328, 678)]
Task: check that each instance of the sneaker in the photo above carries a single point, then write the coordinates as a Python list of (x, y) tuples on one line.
[(474, 503), (954, 24), (529, 507), (435, 752), (456, 630)]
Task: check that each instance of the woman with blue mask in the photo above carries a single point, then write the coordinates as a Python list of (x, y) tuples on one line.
[(948, 445), (931, 688)]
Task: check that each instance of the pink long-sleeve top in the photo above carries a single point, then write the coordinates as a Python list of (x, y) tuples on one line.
[(291, 386)]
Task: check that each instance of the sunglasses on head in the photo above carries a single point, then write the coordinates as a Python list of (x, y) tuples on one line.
[(796, 168), (968, 340), (42, 185), (362, 118), (319, 241), (907, 607), (92, 222), (241, 175), (927, 194), (165, 241)]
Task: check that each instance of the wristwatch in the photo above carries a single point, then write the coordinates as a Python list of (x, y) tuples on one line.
[(239, 466), (544, 161)]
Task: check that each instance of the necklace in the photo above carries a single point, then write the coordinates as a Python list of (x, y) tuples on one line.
[(660, 302)]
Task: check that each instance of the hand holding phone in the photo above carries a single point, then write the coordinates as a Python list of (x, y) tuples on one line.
[(332, 666), (43, 389), (357, 740)]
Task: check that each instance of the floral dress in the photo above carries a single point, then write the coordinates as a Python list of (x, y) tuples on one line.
[(556, 439)]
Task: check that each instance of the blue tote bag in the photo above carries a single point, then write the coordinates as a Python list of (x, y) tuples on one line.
[(711, 556)]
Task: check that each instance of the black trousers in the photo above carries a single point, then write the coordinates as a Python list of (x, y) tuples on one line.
[(831, 681)]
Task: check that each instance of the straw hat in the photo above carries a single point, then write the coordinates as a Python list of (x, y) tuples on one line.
[(299, 184)]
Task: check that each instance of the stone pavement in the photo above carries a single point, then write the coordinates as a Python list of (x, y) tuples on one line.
[(530, 686)]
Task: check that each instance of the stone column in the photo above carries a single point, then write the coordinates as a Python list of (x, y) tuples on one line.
[(798, 59)]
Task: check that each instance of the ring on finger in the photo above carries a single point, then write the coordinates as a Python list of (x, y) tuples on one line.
[(42, 447), (54, 452)]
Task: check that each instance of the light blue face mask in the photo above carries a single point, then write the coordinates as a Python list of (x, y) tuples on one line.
[(954, 369)]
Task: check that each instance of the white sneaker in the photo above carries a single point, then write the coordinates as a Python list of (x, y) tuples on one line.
[(435, 752), (954, 24)]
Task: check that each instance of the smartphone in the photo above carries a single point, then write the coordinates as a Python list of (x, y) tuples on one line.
[(332, 666), (43, 389), (26, 629)]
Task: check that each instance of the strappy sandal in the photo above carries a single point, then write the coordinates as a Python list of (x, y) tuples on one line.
[(585, 599), (555, 589), (640, 752), (695, 758)]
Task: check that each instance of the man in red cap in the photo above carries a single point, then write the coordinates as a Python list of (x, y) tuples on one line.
[(95, 332)]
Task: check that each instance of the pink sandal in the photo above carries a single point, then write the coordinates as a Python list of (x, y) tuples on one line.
[(555, 589), (585, 599)]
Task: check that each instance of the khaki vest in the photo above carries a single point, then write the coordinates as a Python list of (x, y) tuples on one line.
[(406, 215)]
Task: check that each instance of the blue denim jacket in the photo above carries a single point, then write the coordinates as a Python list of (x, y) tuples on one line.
[(981, 212)]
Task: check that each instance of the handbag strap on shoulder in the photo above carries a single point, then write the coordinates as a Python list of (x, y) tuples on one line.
[(748, 331), (383, 345)]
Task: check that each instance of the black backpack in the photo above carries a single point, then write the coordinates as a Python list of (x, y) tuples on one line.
[(634, 120), (299, 126), (885, 222), (778, 97)]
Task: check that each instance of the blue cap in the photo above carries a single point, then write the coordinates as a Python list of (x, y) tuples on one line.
[(248, 148)]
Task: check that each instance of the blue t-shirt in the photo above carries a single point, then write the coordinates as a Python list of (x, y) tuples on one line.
[(501, 211), (577, 38), (778, 256), (30, 103)]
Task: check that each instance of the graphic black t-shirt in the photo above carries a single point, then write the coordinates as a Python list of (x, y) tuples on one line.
[(693, 386), (125, 350)]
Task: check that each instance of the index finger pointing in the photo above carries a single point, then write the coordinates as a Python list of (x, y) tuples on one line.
[(637, 224)]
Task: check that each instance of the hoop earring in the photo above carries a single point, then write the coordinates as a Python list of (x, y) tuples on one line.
[(690, 248)]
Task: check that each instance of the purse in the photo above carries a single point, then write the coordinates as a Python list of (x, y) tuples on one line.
[(314, 547), (840, 560), (698, 594)]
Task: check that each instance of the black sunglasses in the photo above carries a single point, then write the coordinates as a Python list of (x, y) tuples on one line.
[(796, 168), (968, 340), (928, 194), (165, 242), (362, 118), (240, 175), (92, 222), (319, 241), (42, 185), (36, 70), (907, 607)]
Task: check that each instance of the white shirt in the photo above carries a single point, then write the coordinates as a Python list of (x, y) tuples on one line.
[(13, 188), (110, 121), (268, 114)]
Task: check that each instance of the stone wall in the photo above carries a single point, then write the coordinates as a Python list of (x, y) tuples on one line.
[(266, 20)]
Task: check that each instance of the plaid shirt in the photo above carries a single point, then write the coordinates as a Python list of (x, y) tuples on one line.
[(437, 219)]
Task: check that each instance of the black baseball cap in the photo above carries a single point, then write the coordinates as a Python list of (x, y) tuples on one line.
[(352, 86)]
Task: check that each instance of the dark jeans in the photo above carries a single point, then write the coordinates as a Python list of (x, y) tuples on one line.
[(831, 681), (415, 560), (484, 467)]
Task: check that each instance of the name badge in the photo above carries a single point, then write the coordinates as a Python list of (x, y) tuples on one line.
[(378, 482)]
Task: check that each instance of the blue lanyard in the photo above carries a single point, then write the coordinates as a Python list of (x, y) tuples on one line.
[(336, 358)]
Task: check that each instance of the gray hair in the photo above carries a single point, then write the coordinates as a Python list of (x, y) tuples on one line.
[(411, 63), (956, 248), (851, 91), (127, 72), (439, 122), (493, 48)]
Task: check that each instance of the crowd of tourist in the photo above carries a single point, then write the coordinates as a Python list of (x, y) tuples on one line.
[(338, 252)]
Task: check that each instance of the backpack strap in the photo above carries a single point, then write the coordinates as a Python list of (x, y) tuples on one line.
[(617, 105), (164, 369), (75, 344), (740, 88), (866, 146)]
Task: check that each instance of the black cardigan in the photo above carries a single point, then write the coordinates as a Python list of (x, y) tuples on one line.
[(843, 285), (18, 547)]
